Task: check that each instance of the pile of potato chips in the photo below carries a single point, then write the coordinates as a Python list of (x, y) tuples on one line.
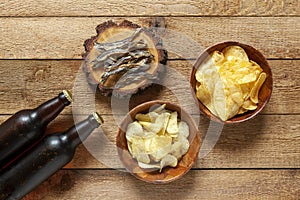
[(157, 139), (229, 83)]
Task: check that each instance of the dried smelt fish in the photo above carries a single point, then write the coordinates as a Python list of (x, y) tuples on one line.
[(110, 61), (116, 64), (106, 75), (133, 57), (139, 54), (129, 68), (104, 66), (118, 44), (114, 53), (128, 58), (133, 77), (137, 45)]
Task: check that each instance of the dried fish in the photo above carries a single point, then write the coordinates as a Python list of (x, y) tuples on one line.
[(113, 53), (106, 75), (119, 62), (140, 53), (128, 58), (118, 44), (129, 78), (137, 45), (131, 68), (110, 61)]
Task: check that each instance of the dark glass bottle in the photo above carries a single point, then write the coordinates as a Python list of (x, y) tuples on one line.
[(26, 127), (44, 159)]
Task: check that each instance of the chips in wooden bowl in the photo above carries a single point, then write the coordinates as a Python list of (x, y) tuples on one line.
[(232, 82), (158, 142)]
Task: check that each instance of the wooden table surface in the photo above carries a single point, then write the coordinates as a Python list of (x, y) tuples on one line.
[(40, 54)]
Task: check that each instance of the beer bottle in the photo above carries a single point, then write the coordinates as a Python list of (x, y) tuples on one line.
[(26, 127), (44, 159)]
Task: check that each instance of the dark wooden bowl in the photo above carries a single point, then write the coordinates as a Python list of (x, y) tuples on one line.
[(264, 93), (168, 174)]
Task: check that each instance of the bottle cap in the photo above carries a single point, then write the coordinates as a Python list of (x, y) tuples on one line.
[(68, 95), (98, 118)]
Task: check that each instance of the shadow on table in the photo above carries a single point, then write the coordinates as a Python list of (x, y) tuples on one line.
[(178, 189), (237, 145), (243, 135)]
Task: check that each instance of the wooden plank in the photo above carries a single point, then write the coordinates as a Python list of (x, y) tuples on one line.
[(28, 83), (267, 141), (146, 7), (198, 184), (63, 37)]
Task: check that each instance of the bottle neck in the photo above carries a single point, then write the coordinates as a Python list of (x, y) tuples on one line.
[(79, 132), (51, 109)]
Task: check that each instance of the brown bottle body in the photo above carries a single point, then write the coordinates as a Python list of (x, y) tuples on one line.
[(44, 159), (26, 127)]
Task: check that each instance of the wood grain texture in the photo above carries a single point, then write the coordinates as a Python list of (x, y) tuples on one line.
[(267, 141), (197, 184), (28, 83), (40, 54), (147, 7), (63, 37)]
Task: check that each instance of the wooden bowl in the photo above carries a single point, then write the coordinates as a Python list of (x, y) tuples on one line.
[(264, 93), (168, 174)]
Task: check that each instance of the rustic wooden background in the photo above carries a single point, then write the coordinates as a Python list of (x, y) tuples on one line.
[(40, 54)]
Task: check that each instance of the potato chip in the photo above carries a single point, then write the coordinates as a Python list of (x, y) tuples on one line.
[(148, 166), (157, 125), (165, 125), (217, 57), (237, 97), (148, 134), (159, 142), (205, 65), (143, 117), (249, 105), (129, 147), (168, 160), (210, 77), (160, 108), (227, 83), (203, 94), (235, 52), (149, 117), (172, 127), (147, 144), (153, 116), (183, 129), (245, 88), (137, 147), (158, 138), (255, 67), (254, 92), (160, 153), (185, 145), (133, 130), (180, 147), (143, 157), (242, 110), (176, 149), (147, 126), (246, 77), (219, 100)]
